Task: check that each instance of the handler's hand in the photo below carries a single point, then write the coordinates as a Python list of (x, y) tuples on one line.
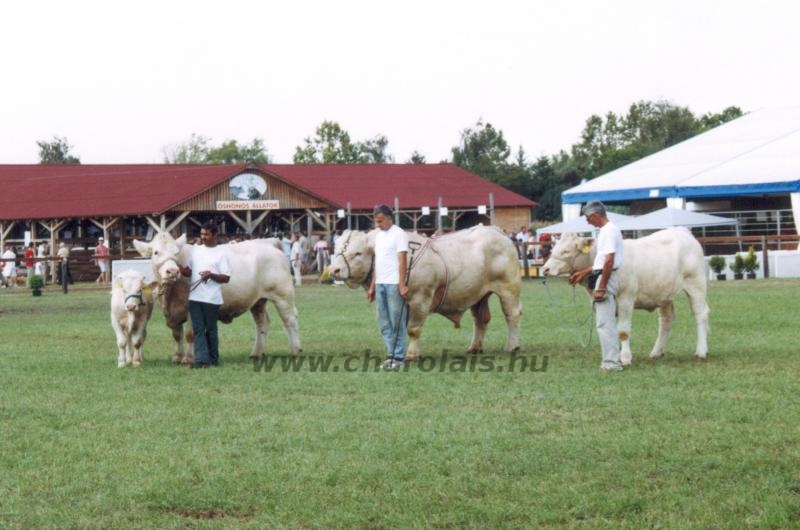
[(370, 294), (403, 292), (577, 277)]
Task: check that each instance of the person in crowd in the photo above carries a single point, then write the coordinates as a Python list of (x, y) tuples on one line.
[(296, 260), (9, 267), (63, 259), (388, 287), (602, 275), (40, 267), (101, 260), (321, 254), (28, 259), (208, 269), (305, 249)]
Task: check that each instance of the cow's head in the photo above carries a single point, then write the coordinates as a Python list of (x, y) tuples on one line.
[(135, 288), (164, 252), (571, 253), (353, 257)]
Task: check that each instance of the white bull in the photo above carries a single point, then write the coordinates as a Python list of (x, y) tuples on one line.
[(131, 307), (655, 269), (259, 272), (449, 275)]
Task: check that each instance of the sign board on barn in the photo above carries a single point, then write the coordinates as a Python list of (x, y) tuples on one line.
[(249, 205)]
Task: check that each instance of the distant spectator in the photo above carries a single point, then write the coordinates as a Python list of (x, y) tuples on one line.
[(63, 256), (9, 267), (101, 260), (294, 258), (40, 267), (321, 253)]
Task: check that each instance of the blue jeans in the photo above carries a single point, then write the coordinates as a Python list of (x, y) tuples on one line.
[(204, 325), (392, 319)]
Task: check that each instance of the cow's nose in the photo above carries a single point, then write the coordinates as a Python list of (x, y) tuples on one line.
[(335, 271)]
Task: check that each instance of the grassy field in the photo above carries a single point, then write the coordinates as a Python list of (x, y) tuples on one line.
[(676, 443)]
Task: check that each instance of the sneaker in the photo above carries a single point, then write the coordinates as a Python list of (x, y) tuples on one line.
[(391, 364), (610, 370)]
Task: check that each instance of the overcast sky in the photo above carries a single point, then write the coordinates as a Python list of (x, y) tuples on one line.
[(122, 80)]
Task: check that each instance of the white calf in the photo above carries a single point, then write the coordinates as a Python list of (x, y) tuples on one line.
[(131, 307)]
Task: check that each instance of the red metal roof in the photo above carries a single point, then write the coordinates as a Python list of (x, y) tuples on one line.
[(67, 191), (415, 185), (76, 190)]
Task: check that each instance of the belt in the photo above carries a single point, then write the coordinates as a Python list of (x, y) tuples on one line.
[(601, 270)]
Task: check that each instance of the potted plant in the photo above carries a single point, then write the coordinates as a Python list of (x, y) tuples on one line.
[(737, 267), (717, 264), (751, 263), (36, 283)]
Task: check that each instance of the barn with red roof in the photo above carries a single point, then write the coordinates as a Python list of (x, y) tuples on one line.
[(77, 203)]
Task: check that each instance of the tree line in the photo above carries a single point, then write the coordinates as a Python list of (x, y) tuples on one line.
[(606, 143)]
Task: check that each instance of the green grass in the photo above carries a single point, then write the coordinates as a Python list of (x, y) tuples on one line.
[(675, 443)]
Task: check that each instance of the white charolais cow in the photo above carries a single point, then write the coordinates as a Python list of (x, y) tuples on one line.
[(131, 307), (259, 273), (655, 269), (450, 275)]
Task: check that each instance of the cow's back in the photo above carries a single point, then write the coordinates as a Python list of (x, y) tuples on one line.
[(258, 270), (479, 260), (659, 266)]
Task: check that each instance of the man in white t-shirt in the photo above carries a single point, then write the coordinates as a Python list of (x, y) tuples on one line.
[(604, 268), (208, 268), (388, 287)]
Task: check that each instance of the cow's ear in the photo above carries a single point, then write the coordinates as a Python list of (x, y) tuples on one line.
[(145, 249), (181, 240)]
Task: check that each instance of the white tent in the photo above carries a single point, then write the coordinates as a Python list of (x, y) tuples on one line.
[(667, 217), (579, 225)]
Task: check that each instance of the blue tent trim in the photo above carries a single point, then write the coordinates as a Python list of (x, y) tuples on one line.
[(686, 192)]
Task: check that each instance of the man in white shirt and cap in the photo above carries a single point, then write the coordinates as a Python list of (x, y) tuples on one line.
[(603, 280)]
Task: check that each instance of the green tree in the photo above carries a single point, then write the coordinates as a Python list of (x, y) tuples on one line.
[(195, 151), (709, 120), (230, 152), (331, 145), (374, 151), (483, 151), (56, 152), (416, 158), (198, 150)]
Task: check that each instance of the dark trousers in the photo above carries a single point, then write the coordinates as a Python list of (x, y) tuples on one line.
[(204, 325)]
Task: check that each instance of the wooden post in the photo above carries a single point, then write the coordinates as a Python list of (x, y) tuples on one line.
[(765, 255)]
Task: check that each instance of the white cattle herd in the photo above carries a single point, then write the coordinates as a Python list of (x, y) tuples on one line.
[(448, 275)]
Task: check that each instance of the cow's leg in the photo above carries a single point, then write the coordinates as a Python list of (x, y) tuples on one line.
[(512, 309), (480, 318), (122, 348), (261, 319), (416, 319), (288, 313), (666, 316), (177, 336), (697, 299), (129, 349), (138, 342), (624, 316)]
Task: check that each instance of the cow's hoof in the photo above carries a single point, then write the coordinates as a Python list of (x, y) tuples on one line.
[(121, 364), (515, 349), (699, 357), (474, 351), (412, 358), (256, 356)]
